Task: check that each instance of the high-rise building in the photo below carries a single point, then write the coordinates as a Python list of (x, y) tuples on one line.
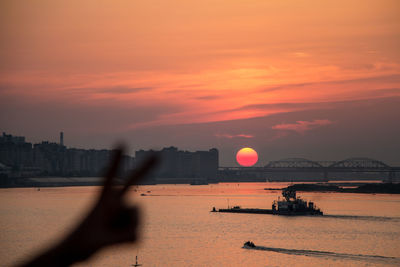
[(61, 138), (183, 166)]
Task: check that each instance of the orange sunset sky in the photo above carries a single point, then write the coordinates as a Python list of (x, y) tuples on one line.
[(313, 79)]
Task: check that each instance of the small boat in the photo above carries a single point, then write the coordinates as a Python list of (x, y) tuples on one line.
[(136, 264), (249, 244)]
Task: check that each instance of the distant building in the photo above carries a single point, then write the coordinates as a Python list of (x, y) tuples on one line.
[(206, 163), (183, 166), (15, 152), (61, 138), (50, 158), (8, 138)]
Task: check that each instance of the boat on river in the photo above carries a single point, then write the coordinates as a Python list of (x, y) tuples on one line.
[(290, 205), (249, 245), (136, 264)]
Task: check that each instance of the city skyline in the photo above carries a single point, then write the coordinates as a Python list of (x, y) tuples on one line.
[(25, 164), (21, 159), (142, 152)]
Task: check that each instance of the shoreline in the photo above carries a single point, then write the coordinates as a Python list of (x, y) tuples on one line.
[(370, 188)]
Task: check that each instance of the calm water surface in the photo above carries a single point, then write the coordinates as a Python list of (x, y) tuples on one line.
[(179, 230)]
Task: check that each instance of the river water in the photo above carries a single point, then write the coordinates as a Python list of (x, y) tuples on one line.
[(178, 229)]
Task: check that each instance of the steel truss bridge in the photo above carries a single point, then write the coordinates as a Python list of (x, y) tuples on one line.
[(298, 165)]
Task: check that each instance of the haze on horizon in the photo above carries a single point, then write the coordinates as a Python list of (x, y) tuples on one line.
[(312, 79)]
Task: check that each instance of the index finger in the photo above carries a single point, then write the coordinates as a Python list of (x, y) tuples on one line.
[(140, 172), (113, 168)]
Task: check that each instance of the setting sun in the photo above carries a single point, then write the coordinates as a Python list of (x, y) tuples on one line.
[(246, 157)]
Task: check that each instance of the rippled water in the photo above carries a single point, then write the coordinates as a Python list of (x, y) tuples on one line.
[(179, 230)]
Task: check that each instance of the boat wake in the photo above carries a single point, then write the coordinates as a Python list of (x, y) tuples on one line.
[(316, 253), (368, 218)]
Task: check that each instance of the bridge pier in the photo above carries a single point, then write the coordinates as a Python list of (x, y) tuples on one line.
[(391, 176), (326, 176)]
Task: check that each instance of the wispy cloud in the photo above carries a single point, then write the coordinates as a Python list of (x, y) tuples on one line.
[(230, 136), (301, 126), (122, 90), (300, 54), (207, 97), (392, 78)]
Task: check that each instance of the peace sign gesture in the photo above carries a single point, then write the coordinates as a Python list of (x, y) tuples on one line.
[(111, 220)]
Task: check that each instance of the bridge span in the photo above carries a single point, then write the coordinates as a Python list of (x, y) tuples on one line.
[(324, 168)]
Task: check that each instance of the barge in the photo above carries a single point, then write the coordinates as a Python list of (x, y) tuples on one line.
[(290, 206)]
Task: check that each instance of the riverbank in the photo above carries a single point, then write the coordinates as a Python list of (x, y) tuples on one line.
[(372, 188)]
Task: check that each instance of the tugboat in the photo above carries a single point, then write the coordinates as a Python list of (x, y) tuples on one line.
[(293, 205), (249, 244), (290, 206)]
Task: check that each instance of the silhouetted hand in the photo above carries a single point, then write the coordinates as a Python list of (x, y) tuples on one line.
[(111, 221)]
